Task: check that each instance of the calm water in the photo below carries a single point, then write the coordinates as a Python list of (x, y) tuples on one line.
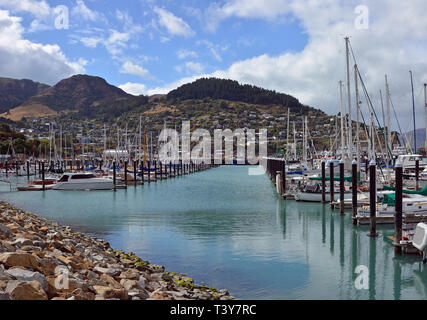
[(229, 230)]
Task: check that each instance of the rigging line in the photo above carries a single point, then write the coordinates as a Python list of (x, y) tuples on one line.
[(369, 99), (397, 120)]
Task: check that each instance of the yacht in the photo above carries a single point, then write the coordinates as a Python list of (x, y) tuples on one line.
[(313, 193), (83, 181)]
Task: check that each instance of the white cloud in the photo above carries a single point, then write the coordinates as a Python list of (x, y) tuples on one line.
[(133, 88), (394, 44), (114, 42), (214, 49), (39, 9), (25, 59), (184, 53), (190, 67), (130, 68), (175, 25), (81, 10), (266, 9)]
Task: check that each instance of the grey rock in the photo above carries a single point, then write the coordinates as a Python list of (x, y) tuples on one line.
[(40, 244), (22, 242), (5, 230), (26, 275)]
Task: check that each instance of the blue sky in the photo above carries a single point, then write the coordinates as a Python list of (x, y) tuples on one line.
[(292, 46), (166, 55)]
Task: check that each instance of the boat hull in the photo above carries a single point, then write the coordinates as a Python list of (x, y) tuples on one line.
[(317, 197), (74, 186)]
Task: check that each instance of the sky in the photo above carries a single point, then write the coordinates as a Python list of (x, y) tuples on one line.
[(291, 46)]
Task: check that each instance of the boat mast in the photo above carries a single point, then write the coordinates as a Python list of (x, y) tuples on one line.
[(105, 140), (140, 139), (384, 124), (372, 137), (357, 118), (287, 137), (425, 116), (295, 143), (387, 103), (60, 142), (413, 113), (342, 122), (350, 128)]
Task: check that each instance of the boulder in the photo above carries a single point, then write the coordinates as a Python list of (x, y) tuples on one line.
[(26, 275), (22, 290), (4, 230), (111, 293), (25, 260)]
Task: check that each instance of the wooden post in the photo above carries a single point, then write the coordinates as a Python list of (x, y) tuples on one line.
[(417, 174), (174, 170), (354, 184), (323, 182), (161, 170), (134, 172), (373, 198), (43, 182), (149, 171), (284, 176), (40, 169), (398, 208), (341, 187), (142, 172), (28, 170), (126, 173), (114, 175), (331, 177), (35, 167)]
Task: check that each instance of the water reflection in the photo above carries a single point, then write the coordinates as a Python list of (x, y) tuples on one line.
[(372, 266), (230, 230)]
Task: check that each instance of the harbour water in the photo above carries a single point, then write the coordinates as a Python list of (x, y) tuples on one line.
[(230, 230)]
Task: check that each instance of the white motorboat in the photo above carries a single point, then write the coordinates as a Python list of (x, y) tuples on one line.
[(83, 181), (314, 194)]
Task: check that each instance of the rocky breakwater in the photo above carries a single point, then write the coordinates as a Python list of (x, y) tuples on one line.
[(41, 260)]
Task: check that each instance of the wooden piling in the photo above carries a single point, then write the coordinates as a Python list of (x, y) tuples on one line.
[(373, 198), (331, 177), (323, 182), (134, 172), (354, 184), (341, 187), (417, 174), (28, 170), (398, 208), (149, 171), (114, 175), (126, 173), (284, 176), (43, 182)]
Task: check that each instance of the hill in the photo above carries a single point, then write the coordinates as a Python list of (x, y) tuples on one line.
[(77, 93), (233, 91), (421, 137), (14, 92)]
